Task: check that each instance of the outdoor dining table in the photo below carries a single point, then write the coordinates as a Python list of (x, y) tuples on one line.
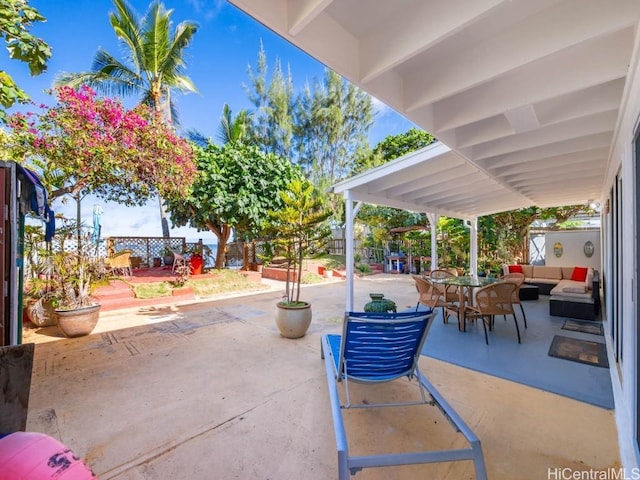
[(464, 285)]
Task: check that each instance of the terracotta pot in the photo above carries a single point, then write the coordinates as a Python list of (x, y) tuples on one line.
[(77, 322), (195, 263), (293, 321)]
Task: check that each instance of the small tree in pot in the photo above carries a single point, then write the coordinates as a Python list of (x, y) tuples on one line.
[(299, 224), (71, 276)]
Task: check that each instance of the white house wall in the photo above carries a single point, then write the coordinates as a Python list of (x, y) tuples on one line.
[(573, 249), (622, 160)]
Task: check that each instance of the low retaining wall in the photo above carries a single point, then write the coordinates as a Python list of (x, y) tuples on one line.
[(278, 274)]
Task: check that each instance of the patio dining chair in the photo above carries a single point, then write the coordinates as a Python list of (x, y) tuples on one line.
[(375, 348), (449, 294), (518, 279), (178, 260), (431, 296), (491, 300), (119, 263)]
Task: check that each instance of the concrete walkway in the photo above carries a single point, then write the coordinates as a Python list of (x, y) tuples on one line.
[(210, 390)]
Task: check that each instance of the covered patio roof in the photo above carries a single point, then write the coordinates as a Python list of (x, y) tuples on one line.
[(524, 96), (433, 179)]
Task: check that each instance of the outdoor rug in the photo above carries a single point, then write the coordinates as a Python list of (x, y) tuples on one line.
[(594, 328), (527, 363), (579, 350)]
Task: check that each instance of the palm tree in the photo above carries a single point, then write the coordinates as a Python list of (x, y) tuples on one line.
[(231, 129), (154, 64)]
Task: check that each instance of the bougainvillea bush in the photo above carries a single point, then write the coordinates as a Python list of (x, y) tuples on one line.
[(94, 145)]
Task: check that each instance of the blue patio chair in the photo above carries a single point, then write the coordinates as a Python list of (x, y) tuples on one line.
[(381, 347)]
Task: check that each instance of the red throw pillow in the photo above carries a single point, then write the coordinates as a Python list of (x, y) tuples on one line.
[(579, 274), (516, 269)]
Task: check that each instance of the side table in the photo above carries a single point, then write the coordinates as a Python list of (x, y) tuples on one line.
[(529, 292)]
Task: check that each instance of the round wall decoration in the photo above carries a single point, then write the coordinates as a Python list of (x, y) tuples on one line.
[(588, 248), (557, 249)]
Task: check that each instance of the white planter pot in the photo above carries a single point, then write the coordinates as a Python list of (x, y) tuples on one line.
[(293, 321)]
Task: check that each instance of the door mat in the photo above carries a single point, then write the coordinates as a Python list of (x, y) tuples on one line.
[(594, 328), (582, 351)]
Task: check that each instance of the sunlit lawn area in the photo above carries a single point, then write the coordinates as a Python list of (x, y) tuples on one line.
[(225, 281)]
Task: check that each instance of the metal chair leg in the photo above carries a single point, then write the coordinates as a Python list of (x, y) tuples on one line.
[(517, 328), (484, 325), (523, 315)]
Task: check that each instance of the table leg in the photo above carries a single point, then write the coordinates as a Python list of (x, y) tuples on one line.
[(462, 325)]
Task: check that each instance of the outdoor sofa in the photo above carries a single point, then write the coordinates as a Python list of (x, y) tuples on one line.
[(574, 290)]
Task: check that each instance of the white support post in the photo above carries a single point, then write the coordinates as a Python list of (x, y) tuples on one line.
[(473, 246), (348, 247), (433, 222)]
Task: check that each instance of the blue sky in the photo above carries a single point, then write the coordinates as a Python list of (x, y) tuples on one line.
[(226, 43)]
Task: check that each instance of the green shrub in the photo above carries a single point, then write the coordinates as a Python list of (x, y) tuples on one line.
[(311, 278), (363, 268)]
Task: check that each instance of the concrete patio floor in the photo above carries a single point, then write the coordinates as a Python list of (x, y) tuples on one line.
[(210, 390)]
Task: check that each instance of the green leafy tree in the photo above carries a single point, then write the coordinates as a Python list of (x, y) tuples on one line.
[(236, 185), (394, 146), (154, 64), (16, 18)]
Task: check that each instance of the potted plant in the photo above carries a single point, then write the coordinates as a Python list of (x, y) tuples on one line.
[(299, 224), (36, 260), (75, 274), (167, 256), (72, 273)]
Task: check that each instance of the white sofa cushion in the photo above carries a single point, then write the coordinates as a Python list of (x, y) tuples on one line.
[(570, 288)]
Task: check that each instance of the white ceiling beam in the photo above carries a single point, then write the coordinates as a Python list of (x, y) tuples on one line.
[(568, 107), (545, 164), (482, 203), (441, 188), (565, 25), (567, 172), (442, 173), (591, 64), (600, 140), (551, 188), (581, 103), (488, 201), (592, 125), (418, 176), (416, 29), (302, 12), (478, 186), (412, 207)]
